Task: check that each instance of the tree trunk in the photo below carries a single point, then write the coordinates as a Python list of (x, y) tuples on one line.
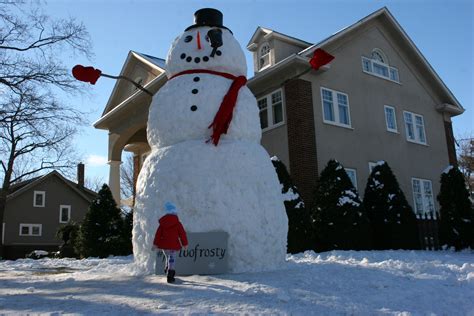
[(3, 200), (3, 196)]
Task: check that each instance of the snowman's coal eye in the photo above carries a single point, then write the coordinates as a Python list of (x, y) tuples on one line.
[(188, 38)]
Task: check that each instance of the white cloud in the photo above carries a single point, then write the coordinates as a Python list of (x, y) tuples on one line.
[(96, 161)]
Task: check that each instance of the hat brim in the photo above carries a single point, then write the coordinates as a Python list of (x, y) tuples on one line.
[(199, 25)]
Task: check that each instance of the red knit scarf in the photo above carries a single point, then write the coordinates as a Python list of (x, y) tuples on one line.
[(221, 121)]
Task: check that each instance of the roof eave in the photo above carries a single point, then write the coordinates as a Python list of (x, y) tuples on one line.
[(287, 69), (41, 179), (114, 90), (155, 66), (101, 122), (450, 109)]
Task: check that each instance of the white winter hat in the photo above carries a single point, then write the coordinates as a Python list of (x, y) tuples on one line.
[(170, 208)]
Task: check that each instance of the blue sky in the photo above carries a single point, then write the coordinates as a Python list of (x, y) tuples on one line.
[(442, 30)]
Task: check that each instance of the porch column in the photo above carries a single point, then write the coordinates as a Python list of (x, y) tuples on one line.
[(114, 179)]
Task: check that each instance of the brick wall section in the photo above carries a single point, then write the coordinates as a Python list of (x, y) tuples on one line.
[(448, 129), (301, 137)]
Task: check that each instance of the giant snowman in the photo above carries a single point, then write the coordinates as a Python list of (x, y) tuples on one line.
[(206, 157)]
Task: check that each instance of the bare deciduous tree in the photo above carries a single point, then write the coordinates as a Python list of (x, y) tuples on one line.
[(126, 179), (466, 159), (94, 183), (36, 128)]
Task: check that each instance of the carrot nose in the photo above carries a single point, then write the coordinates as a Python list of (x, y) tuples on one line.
[(198, 40)]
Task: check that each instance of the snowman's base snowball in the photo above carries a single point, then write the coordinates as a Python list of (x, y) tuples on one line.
[(232, 187)]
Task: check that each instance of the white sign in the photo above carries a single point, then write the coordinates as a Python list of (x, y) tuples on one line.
[(206, 254)]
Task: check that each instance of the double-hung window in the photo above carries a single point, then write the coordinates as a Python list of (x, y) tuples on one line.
[(414, 127), (422, 196), (335, 107), (39, 198), (390, 119), (64, 213), (264, 56), (271, 110)]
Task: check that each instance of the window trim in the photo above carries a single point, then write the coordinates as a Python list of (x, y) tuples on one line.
[(269, 109), (68, 207), (30, 230), (372, 61), (43, 193), (385, 107), (261, 56), (336, 108), (416, 140), (382, 54), (425, 211), (355, 175)]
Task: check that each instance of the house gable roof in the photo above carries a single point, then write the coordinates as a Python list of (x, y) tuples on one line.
[(154, 63), (392, 22), (389, 21), (24, 186), (268, 33)]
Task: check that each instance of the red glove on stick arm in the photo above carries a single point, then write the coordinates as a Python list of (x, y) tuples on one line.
[(86, 74), (320, 58), (91, 75)]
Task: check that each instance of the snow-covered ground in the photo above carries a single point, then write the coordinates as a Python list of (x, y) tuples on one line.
[(332, 283)]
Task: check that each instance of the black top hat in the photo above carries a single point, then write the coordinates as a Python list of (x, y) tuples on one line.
[(207, 17)]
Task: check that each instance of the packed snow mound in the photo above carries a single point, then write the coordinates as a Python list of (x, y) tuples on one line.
[(231, 187), (171, 119), (330, 283)]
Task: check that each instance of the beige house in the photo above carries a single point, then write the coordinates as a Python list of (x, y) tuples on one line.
[(36, 208), (379, 99)]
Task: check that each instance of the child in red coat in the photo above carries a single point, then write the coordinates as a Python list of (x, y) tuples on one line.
[(170, 237)]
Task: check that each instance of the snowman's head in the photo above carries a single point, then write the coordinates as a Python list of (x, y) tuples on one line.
[(206, 47)]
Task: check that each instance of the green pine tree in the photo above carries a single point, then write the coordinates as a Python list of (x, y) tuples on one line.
[(68, 235), (394, 225), (127, 233), (299, 222), (339, 218), (456, 227), (101, 232)]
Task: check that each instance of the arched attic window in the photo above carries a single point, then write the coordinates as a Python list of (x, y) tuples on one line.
[(378, 65), (379, 56), (264, 56)]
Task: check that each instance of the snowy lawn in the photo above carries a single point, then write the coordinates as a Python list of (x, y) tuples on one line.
[(332, 283)]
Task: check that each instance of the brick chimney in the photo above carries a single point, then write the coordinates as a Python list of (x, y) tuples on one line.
[(80, 175)]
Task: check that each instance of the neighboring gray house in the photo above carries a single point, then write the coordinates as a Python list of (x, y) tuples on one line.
[(379, 99), (36, 208)]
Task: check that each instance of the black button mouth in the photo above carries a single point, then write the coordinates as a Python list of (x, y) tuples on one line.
[(197, 60)]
